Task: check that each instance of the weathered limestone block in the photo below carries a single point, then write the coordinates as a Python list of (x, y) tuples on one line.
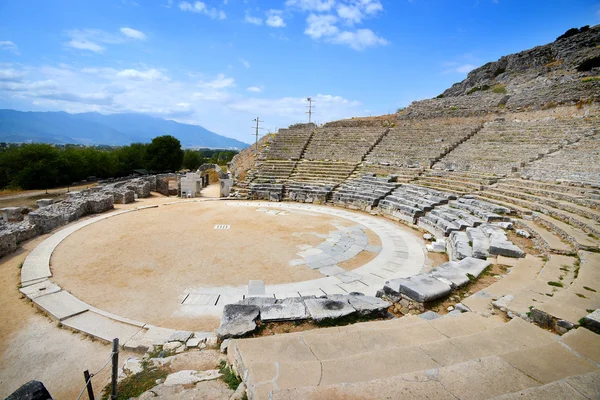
[(290, 309), (99, 202), (140, 187), (505, 248), (24, 230), (44, 202), (47, 218), (592, 321), (12, 214), (32, 390), (459, 244), (8, 242), (368, 305), (480, 241), (320, 309), (421, 288), (237, 320)]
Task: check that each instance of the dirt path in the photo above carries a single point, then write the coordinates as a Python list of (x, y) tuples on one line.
[(33, 347)]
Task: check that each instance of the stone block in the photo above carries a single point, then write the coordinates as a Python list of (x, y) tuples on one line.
[(368, 305), (44, 202), (420, 288), (285, 310), (592, 321), (429, 315), (237, 320), (320, 309), (505, 248), (32, 390)]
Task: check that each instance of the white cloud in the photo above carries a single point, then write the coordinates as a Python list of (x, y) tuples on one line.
[(221, 82), (452, 67), (213, 103), (274, 19), (246, 63), (85, 45), (201, 7), (150, 74), (134, 34), (311, 5), (92, 39), (9, 46), (321, 25), (324, 26), (351, 14), (359, 40), (333, 28), (11, 75), (252, 20)]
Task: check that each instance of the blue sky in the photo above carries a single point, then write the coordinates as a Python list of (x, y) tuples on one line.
[(221, 63)]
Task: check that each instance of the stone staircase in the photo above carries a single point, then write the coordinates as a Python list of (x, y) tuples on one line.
[(465, 356)]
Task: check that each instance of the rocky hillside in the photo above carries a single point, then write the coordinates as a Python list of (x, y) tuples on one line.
[(564, 72), (243, 161)]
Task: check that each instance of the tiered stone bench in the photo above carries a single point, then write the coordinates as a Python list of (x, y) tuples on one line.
[(459, 183), (409, 202), (279, 159), (416, 358), (266, 191), (502, 147), (420, 144), (308, 192), (577, 162), (569, 210), (365, 193)]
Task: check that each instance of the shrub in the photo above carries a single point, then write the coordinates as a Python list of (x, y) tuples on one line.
[(499, 89)]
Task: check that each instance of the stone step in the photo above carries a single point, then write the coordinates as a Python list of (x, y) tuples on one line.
[(587, 224), (552, 241), (583, 295), (570, 233), (441, 186), (521, 275), (585, 212), (494, 360), (577, 199), (558, 269), (327, 359)]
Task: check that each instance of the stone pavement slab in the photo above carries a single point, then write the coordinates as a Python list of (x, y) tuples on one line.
[(201, 299), (61, 305), (102, 327), (40, 289)]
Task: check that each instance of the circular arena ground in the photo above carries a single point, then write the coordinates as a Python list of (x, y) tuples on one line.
[(151, 265)]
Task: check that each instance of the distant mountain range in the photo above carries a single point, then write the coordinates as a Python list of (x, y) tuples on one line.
[(99, 129)]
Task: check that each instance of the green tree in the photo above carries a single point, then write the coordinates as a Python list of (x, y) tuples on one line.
[(165, 153), (192, 159)]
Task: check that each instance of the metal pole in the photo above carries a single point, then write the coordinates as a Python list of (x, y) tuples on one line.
[(256, 142), (115, 367), (88, 384)]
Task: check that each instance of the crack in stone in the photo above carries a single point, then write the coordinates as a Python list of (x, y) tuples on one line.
[(317, 358)]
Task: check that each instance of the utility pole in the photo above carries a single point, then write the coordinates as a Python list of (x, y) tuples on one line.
[(257, 120), (310, 108)]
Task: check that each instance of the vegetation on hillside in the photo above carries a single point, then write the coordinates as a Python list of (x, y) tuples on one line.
[(43, 166)]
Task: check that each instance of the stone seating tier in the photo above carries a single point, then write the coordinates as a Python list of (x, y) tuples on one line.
[(342, 144), (417, 358), (504, 147), (364, 193), (288, 144), (333, 172), (577, 162), (308, 193), (420, 144)]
